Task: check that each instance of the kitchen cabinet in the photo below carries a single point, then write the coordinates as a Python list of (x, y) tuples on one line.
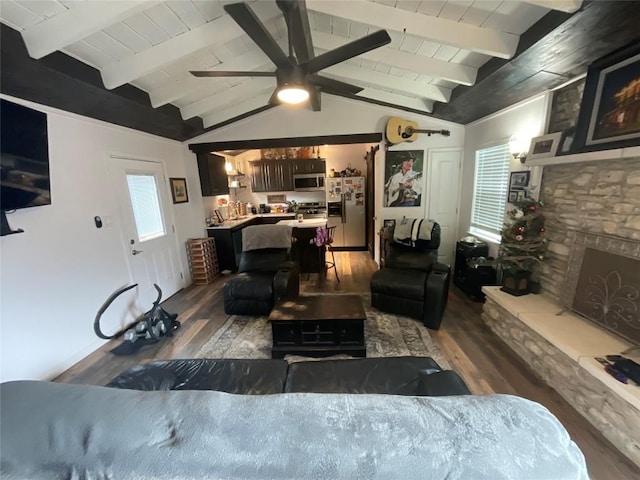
[(271, 175), (213, 175), (309, 165), (229, 244)]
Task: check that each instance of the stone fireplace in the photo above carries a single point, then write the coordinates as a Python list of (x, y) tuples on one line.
[(603, 283), (591, 269), (598, 198)]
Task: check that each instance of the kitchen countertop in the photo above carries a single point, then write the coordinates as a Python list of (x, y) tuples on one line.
[(306, 223), (229, 224)]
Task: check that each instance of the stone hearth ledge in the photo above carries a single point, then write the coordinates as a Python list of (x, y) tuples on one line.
[(565, 361), (577, 337)]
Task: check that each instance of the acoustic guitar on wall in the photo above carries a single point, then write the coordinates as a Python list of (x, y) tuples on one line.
[(400, 130)]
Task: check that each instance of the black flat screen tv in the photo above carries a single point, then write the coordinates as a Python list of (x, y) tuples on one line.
[(24, 157)]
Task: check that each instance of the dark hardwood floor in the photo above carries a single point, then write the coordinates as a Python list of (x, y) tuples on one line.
[(484, 361)]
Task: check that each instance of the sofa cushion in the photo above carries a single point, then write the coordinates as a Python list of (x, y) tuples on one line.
[(253, 286), (395, 282), (438, 384), (409, 258), (252, 377), (267, 260), (390, 375), (145, 377)]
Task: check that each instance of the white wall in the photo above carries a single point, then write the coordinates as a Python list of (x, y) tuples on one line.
[(526, 118), (57, 274)]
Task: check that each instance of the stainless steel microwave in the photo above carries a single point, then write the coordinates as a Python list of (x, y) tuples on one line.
[(308, 182)]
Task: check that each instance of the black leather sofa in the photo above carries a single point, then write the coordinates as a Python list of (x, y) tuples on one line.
[(416, 376)]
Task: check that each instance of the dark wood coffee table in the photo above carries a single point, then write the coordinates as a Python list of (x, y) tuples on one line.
[(318, 325)]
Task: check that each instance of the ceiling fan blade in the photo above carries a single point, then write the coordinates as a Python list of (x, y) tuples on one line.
[(345, 52), (331, 85), (314, 98), (214, 73), (249, 22), (295, 13), (273, 99)]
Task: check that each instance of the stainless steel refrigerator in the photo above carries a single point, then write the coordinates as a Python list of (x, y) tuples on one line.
[(346, 210)]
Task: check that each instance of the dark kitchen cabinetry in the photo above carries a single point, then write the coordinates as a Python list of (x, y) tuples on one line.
[(213, 175), (229, 244), (271, 175), (309, 165)]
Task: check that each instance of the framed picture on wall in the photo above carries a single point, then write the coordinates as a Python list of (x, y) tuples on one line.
[(519, 180), (609, 110), (403, 178), (179, 190), (544, 146)]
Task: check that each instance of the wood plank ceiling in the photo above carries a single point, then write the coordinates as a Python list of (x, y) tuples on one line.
[(438, 48)]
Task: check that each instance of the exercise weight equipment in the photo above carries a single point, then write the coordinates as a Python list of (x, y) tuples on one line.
[(146, 330)]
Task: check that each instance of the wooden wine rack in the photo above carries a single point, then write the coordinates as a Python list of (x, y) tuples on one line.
[(203, 260)]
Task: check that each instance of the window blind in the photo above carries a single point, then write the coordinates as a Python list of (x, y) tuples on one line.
[(490, 189), (146, 206)]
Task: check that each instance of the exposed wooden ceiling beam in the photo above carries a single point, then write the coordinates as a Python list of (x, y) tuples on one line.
[(453, 72), (469, 37), (394, 98), (79, 21), (260, 100), (218, 31), (240, 92), (568, 6), (351, 73)]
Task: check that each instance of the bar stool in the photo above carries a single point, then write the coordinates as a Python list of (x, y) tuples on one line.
[(324, 238)]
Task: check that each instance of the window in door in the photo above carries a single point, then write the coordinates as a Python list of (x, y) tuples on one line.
[(145, 201), (490, 192)]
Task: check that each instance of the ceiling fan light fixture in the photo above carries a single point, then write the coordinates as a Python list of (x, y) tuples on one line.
[(293, 94)]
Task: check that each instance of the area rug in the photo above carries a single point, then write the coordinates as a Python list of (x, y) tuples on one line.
[(386, 335)]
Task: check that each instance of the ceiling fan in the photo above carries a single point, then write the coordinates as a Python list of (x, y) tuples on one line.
[(296, 74)]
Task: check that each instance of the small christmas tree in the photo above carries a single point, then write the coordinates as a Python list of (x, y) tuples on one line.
[(523, 238)]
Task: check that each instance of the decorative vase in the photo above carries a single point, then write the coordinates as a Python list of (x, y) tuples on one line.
[(516, 283)]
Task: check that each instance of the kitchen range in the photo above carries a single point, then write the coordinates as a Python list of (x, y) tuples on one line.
[(312, 209)]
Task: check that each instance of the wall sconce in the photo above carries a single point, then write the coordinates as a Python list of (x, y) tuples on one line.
[(228, 167), (519, 147)]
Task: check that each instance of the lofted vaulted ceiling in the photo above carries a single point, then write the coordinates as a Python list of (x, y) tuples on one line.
[(437, 49)]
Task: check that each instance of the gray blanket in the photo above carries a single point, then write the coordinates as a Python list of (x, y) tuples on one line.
[(60, 431), (256, 237)]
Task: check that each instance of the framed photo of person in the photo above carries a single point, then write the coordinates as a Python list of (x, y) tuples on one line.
[(179, 190), (519, 180), (608, 113), (403, 178)]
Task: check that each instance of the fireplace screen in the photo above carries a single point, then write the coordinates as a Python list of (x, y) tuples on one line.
[(603, 283)]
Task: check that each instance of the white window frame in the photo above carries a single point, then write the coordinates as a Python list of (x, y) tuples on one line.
[(490, 187)]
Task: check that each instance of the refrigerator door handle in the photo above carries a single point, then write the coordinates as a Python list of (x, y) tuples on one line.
[(344, 210)]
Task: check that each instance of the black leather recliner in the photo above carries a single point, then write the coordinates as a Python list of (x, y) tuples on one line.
[(412, 282), (264, 276)]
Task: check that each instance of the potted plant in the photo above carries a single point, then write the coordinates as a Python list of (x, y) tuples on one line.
[(523, 246)]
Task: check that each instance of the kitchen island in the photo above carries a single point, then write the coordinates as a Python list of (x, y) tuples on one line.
[(228, 236), (304, 250)]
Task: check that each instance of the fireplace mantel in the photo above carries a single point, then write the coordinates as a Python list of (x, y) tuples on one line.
[(614, 154)]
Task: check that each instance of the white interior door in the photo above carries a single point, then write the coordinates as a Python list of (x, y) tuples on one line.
[(147, 228), (444, 194)]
